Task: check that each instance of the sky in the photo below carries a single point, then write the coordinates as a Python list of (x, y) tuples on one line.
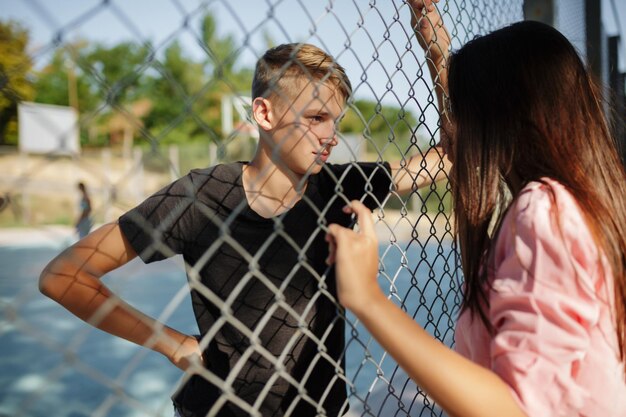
[(368, 37), (327, 22), (332, 25)]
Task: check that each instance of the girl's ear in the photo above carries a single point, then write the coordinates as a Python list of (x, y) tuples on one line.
[(262, 113)]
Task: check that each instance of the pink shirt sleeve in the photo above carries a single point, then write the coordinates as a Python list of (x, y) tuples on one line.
[(543, 301)]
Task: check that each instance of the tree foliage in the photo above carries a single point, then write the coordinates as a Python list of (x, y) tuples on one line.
[(179, 97), (117, 70), (380, 124), (184, 93), (53, 81), (15, 83)]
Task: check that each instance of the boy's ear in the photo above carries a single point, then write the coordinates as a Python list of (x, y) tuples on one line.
[(262, 113)]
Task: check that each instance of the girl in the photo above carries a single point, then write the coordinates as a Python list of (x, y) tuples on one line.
[(540, 198)]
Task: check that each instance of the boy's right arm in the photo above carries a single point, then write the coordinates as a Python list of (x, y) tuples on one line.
[(435, 40), (417, 171), (73, 280)]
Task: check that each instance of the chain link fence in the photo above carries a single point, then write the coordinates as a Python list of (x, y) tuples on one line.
[(154, 89)]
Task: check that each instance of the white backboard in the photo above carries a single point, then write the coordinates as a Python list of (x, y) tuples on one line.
[(47, 129)]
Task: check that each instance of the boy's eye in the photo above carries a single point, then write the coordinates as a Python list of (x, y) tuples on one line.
[(316, 119)]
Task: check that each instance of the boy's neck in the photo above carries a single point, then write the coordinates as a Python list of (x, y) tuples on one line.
[(271, 189)]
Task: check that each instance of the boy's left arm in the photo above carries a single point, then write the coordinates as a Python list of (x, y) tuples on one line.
[(419, 171)]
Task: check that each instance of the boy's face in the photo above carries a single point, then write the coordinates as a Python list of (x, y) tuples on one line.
[(305, 128)]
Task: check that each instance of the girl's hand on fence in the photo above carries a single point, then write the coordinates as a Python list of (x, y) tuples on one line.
[(429, 28), (356, 257), (187, 354)]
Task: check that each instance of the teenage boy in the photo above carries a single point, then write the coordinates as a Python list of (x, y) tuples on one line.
[(252, 237)]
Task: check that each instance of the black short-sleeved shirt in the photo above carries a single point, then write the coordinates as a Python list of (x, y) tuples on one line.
[(269, 274)]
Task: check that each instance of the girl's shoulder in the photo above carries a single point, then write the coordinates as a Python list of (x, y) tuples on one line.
[(546, 207), (545, 230), (545, 196)]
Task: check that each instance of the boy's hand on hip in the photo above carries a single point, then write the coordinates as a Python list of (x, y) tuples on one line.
[(187, 355)]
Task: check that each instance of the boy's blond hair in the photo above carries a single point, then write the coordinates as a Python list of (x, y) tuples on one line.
[(282, 70)]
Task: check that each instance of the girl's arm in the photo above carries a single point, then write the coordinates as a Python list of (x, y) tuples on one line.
[(73, 280), (459, 386)]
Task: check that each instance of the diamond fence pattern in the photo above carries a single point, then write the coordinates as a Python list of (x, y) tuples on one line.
[(152, 107)]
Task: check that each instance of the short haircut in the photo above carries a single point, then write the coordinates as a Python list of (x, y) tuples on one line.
[(282, 69)]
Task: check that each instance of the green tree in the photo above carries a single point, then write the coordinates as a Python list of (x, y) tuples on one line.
[(116, 71), (225, 77), (15, 84), (51, 83), (63, 72), (68, 80), (88, 76), (220, 50), (221, 61), (176, 92), (381, 124), (186, 94)]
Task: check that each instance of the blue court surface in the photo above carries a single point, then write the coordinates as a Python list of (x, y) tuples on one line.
[(52, 364)]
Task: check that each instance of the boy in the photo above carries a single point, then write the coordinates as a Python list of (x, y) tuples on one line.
[(252, 237)]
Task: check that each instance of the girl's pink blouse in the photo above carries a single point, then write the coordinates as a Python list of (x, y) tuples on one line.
[(551, 305)]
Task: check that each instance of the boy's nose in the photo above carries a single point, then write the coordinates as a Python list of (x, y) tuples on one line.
[(331, 141)]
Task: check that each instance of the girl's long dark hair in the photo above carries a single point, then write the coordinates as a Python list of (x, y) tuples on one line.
[(525, 107)]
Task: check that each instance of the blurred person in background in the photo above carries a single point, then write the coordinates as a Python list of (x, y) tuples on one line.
[(84, 222)]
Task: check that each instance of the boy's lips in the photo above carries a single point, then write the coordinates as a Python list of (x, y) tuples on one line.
[(322, 156)]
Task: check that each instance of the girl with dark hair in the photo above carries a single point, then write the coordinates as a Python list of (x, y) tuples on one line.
[(540, 197)]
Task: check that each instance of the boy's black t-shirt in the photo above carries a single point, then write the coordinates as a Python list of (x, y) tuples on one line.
[(281, 344)]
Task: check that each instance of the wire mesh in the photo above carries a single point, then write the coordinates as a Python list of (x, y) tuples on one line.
[(160, 88)]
